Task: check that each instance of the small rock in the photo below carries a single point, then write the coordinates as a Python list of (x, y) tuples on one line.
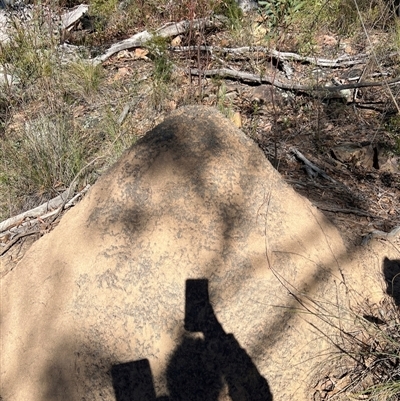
[(7, 79), (176, 41), (121, 73), (141, 54), (237, 119), (329, 40), (247, 5)]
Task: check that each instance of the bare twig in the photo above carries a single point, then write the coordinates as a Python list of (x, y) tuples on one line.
[(16, 239), (72, 185), (41, 218), (124, 113), (342, 210)]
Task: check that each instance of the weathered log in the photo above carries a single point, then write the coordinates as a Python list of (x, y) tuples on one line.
[(271, 79), (141, 38), (343, 61), (37, 211), (311, 165), (69, 18)]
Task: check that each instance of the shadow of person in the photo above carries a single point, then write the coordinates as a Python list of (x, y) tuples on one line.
[(133, 381), (193, 372), (200, 366), (205, 362), (391, 272)]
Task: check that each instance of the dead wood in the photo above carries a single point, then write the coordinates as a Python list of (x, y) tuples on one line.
[(69, 18), (16, 239), (271, 79), (41, 212), (172, 29), (344, 61), (63, 206), (377, 234), (18, 232), (311, 165), (36, 212)]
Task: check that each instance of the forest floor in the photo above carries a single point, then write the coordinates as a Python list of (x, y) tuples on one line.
[(351, 134)]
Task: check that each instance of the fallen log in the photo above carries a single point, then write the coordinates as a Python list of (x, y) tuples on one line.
[(311, 165), (16, 233), (271, 79), (141, 38), (37, 211), (343, 61), (69, 18)]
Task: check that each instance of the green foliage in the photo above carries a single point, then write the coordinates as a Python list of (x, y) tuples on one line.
[(366, 338), (224, 104), (162, 69), (103, 8), (158, 52), (342, 16), (231, 10), (280, 12), (81, 78), (376, 351), (393, 126), (4, 106), (397, 146), (28, 55), (396, 34)]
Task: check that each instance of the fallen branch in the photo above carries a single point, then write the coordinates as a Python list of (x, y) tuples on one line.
[(311, 166), (40, 211), (344, 61), (37, 211), (16, 239), (18, 231), (71, 202), (141, 38), (271, 79), (332, 209), (377, 234), (69, 18), (73, 184)]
